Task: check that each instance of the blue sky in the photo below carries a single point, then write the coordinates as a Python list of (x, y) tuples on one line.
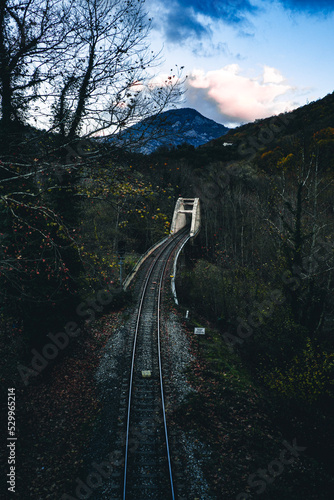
[(247, 59)]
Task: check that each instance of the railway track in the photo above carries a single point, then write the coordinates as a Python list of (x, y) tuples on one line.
[(148, 471)]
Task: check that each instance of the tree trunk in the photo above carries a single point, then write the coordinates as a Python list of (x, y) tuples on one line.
[(82, 95)]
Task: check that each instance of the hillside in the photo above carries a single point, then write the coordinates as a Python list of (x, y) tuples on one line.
[(169, 130), (303, 121)]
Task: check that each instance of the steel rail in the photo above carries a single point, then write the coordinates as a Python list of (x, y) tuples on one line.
[(172, 243), (161, 383)]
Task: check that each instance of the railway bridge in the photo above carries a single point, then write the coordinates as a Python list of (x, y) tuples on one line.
[(187, 211), (184, 208)]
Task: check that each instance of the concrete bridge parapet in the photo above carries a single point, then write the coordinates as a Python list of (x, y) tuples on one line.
[(183, 207)]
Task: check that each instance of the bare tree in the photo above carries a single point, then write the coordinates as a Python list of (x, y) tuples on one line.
[(103, 81), (31, 37), (78, 67), (303, 224), (82, 66)]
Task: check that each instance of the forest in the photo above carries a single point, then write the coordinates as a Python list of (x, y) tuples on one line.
[(261, 268), (260, 273)]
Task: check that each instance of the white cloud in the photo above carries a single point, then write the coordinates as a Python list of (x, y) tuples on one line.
[(237, 97), (272, 75)]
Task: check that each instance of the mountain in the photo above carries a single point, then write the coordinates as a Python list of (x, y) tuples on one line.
[(169, 130)]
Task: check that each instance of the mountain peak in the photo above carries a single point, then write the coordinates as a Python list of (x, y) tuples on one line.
[(170, 129)]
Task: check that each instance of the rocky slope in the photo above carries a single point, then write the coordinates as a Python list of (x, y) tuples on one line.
[(169, 130)]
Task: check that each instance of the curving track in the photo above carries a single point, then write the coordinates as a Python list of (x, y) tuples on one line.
[(147, 463)]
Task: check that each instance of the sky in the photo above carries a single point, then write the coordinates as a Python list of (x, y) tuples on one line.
[(246, 59)]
